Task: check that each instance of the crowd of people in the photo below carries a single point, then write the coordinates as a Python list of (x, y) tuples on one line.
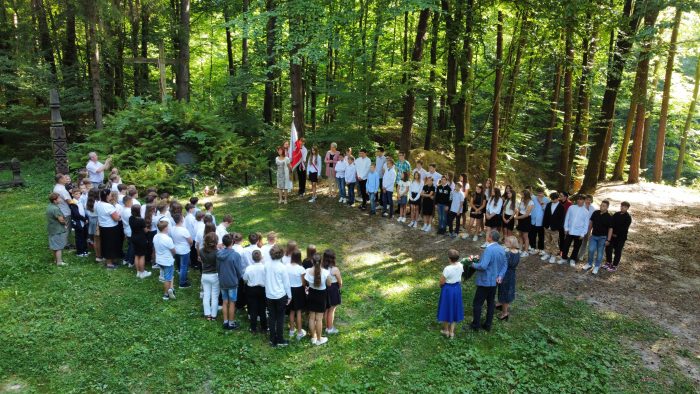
[(271, 282)]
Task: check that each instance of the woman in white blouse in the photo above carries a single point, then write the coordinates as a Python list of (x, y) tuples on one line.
[(111, 235), (414, 190), (313, 170), (493, 212)]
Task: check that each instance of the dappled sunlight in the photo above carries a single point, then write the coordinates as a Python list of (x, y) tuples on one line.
[(397, 289)]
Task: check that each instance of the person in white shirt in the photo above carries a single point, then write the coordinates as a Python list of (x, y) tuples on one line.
[(451, 305), (362, 165), (350, 180), (111, 235), (588, 204), (127, 203), (165, 252), (183, 244), (414, 191), (278, 293), (493, 213), (254, 278), (388, 181), (403, 186), (265, 249), (222, 229), (575, 228), (340, 167), (380, 164), (317, 279), (199, 230), (96, 170), (420, 170), (313, 169), (301, 168), (456, 206), (295, 272), (190, 219), (255, 240), (432, 172)]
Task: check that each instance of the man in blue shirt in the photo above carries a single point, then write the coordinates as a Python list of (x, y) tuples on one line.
[(489, 272)]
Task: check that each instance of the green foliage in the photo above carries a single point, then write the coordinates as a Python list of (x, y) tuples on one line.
[(154, 143)]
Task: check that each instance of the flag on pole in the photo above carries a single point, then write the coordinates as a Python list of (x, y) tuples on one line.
[(294, 147)]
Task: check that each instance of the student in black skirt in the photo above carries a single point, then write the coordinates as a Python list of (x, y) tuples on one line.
[(139, 241), (493, 212), (428, 203), (317, 279), (334, 300), (297, 305), (508, 221), (524, 221)]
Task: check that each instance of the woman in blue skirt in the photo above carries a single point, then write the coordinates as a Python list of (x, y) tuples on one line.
[(450, 307), (506, 289)]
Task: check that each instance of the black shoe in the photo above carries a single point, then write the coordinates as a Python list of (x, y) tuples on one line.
[(225, 326), (233, 326), (473, 328), (283, 343), (486, 328), (185, 285)]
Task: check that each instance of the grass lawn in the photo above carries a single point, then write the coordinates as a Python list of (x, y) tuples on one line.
[(82, 328)]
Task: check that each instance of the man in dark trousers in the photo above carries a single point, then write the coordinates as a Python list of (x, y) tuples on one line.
[(301, 168), (489, 273), (621, 222), (553, 223)]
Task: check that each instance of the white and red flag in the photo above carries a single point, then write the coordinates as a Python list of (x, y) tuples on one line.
[(294, 147)]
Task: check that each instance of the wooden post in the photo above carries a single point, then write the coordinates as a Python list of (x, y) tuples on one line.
[(58, 135), (161, 69)]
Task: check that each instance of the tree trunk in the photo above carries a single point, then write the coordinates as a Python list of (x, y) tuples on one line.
[(296, 74), (145, 35), (583, 105), (663, 116), (602, 130), (461, 162), (493, 158), (271, 31), (70, 49), (564, 173), (229, 43), (647, 122), (554, 111), (509, 99), (183, 66), (244, 54), (410, 98), (94, 62), (688, 122), (643, 69), (314, 95), (431, 93), (44, 36), (627, 135)]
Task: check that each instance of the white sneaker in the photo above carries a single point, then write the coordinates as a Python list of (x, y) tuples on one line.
[(340, 199), (321, 341), (292, 332), (313, 199), (544, 257), (552, 260), (561, 261), (531, 250), (427, 229), (423, 228), (139, 275), (314, 341), (586, 267), (331, 330), (465, 236), (301, 334), (475, 238), (572, 263), (524, 254), (146, 274), (485, 244), (595, 270), (171, 294), (542, 252)]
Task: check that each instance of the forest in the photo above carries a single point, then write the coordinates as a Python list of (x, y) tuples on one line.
[(578, 91)]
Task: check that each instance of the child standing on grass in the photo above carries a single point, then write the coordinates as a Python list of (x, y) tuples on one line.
[(183, 243), (456, 206), (373, 188), (313, 170), (340, 176), (295, 272), (228, 265), (165, 258), (451, 306), (351, 179), (278, 295), (209, 207), (139, 240), (428, 204), (79, 221), (254, 278), (317, 280), (334, 298), (56, 227), (442, 200), (210, 278), (403, 186), (414, 190)]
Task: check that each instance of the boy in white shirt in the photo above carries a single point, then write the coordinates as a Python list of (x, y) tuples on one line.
[(254, 277), (126, 214), (255, 240), (209, 207), (456, 206), (432, 172), (265, 249), (222, 229), (388, 181), (165, 251), (350, 180), (340, 167), (183, 243), (362, 165), (419, 169), (575, 228)]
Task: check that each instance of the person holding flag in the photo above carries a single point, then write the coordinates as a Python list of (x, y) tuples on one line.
[(297, 155)]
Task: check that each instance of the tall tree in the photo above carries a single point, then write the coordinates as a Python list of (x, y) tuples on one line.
[(688, 122), (409, 103), (296, 66), (509, 99), (651, 94), (554, 110), (69, 60), (493, 157), (650, 16), (183, 59), (229, 41), (602, 128), (663, 116), (431, 93), (44, 37), (91, 13), (564, 178), (271, 33), (244, 53)]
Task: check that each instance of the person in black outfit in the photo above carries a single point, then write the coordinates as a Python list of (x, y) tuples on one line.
[(553, 223), (301, 169), (621, 222)]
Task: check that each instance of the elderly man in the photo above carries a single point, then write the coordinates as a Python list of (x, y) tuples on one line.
[(96, 170), (489, 272)]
